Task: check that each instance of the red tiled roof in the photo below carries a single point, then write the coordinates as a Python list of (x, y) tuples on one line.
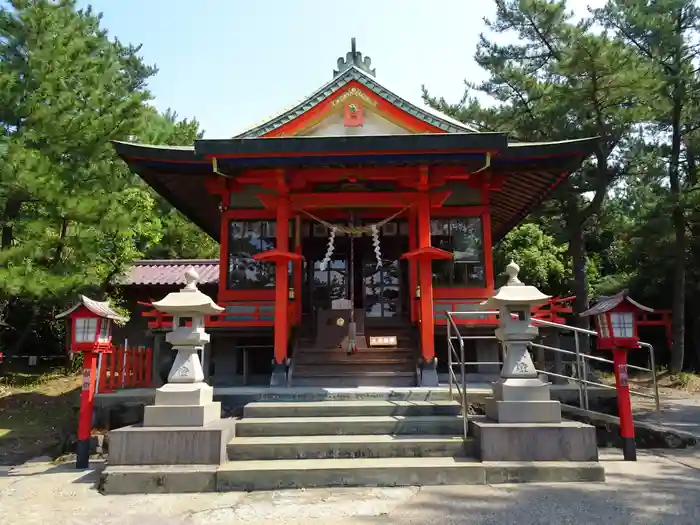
[(169, 272)]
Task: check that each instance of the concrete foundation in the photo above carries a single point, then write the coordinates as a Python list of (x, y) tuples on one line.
[(358, 472), (523, 411), (141, 445), (522, 400), (182, 405), (564, 441)]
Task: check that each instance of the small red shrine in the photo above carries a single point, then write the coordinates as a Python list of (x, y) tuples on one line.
[(355, 214)]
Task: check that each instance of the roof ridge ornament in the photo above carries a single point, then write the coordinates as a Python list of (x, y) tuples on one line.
[(354, 58)]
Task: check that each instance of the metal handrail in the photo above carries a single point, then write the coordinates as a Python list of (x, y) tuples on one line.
[(581, 378), (463, 389)]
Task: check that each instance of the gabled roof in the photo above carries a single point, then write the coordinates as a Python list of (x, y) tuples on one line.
[(100, 308), (605, 304), (354, 73)]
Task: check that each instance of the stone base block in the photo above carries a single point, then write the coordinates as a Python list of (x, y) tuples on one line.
[(184, 394), (181, 416), (356, 472), (140, 445), (523, 411), (564, 441), (162, 479), (429, 375), (525, 389)]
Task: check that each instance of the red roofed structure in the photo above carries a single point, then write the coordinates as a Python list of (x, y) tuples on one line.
[(347, 182)]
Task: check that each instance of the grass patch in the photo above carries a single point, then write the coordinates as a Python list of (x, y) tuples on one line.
[(37, 412)]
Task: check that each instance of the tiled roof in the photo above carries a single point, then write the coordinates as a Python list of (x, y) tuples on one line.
[(155, 272), (426, 114), (605, 304), (96, 307)]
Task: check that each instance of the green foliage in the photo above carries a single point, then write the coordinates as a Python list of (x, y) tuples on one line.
[(628, 73), (543, 262), (72, 215)]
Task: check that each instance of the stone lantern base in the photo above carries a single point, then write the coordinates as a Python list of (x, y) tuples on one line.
[(183, 427), (522, 401), (183, 405), (523, 423)]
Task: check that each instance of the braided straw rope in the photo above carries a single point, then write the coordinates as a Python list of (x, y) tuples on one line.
[(355, 230)]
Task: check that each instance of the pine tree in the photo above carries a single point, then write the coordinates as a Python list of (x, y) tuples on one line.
[(666, 35), (561, 80), (71, 213)]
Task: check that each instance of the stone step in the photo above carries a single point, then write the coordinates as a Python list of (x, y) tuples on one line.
[(356, 472), (358, 425), (357, 369), (368, 393), (321, 371), (379, 472), (400, 350), (381, 359), (351, 408), (362, 446), (384, 379)]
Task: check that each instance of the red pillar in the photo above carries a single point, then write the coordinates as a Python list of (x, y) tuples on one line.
[(425, 278), (282, 283), (87, 400), (624, 404), (412, 265), (298, 268)]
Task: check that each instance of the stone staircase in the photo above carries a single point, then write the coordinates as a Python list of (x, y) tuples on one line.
[(322, 365), (375, 442), (370, 442), (308, 437)]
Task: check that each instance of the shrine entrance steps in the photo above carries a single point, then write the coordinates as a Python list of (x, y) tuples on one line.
[(378, 442), (374, 437), (320, 364)]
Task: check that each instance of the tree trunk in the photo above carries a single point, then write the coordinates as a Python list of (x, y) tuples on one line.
[(678, 218), (11, 212), (577, 248)]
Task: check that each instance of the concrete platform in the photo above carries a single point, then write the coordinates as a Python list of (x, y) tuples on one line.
[(272, 475), (325, 447), (564, 441), (351, 408), (240, 395), (367, 425), (139, 445)]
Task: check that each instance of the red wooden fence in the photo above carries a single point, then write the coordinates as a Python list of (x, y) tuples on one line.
[(126, 368)]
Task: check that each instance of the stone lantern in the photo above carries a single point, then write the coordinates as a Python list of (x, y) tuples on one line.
[(186, 400), (522, 423), (519, 396)]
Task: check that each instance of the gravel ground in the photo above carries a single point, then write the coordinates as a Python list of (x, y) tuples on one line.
[(663, 487)]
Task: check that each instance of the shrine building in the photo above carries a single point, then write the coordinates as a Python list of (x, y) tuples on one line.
[(348, 224)]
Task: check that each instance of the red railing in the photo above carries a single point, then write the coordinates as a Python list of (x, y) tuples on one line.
[(552, 311), (555, 309), (238, 314), (125, 368)]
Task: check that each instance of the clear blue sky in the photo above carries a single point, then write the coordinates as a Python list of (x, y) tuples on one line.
[(232, 63)]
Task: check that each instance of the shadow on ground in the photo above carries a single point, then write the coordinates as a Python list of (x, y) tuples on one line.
[(667, 494), (37, 417)]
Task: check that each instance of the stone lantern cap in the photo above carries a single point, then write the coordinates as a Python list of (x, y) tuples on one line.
[(189, 299), (516, 292)]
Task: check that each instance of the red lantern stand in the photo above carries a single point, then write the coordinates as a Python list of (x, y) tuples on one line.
[(90, 325), (616, 324)]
